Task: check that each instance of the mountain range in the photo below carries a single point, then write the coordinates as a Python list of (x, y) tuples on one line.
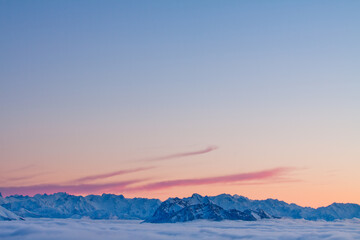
[(198, 207), (224, 206), (63, 205)]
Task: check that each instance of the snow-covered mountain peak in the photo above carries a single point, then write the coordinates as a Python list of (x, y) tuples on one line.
[(196, 199), (199, 207), (196, 195), (108, 206), (109, 195), (61, 194)]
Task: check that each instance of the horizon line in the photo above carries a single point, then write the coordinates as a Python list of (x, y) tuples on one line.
[(232, 195)]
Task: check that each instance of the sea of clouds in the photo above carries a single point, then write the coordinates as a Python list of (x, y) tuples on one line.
[(56, 229)]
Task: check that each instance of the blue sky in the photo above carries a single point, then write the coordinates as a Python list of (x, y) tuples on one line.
[(272, 83)]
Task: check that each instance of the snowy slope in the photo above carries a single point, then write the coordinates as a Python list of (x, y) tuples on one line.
[(198, 207), (6, 215), (336, 211), (272, 206), (62, 205), (109, 206), (278, 208)]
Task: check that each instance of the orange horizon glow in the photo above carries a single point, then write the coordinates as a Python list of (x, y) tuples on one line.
[(282, 183)]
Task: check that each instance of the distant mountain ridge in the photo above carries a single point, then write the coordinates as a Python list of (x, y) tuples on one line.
[(63, 205), (198, 207), (110, 206), (283, 209)]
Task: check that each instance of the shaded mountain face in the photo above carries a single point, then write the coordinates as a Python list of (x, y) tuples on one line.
[(198, 207), (208, 211), (6, 215)]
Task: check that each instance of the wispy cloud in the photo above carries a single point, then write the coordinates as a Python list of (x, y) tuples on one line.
[(19, 169), (81, 185), (270, 174), (73, 189), (108, 175), (180, 155), (15, 179), (22, 178), (27, 177), (260, 177)]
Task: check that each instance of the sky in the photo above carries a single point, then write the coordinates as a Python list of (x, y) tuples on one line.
[(166, 98)]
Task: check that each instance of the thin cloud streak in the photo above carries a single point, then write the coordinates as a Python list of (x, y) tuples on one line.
[(73, 189), (271, 174), (15, 179), (108, 175), (116, 173), (26, 178), (180, 155), (260, 177), (29, 166), (29, 177)]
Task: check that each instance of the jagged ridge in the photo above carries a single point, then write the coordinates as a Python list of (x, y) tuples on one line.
[(198, 207), (108, 206), (62, 205)]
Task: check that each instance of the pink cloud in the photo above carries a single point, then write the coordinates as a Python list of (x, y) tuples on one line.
[(29, 166), (259, 177), (271, 174), (121, 172), (108, 175), (184, 154)]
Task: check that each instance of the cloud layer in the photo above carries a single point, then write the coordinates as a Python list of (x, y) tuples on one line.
[(70, 229)]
